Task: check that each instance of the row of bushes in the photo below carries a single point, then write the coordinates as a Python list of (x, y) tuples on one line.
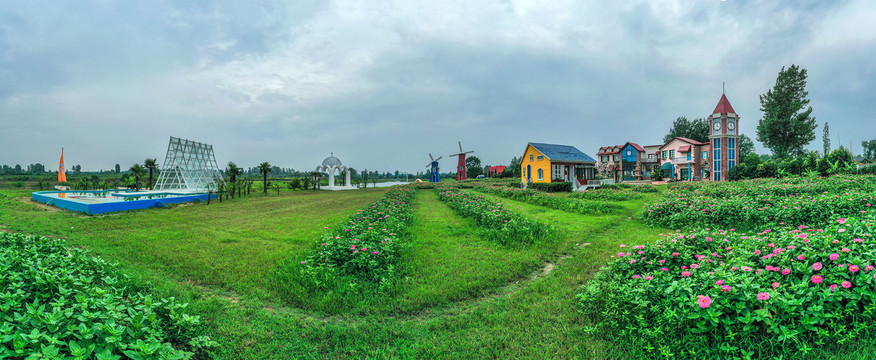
[(539, 198), (59, 302), (552, 187), (496, 222), (608, 195), (837, 162), (723, 294), (363, 251)]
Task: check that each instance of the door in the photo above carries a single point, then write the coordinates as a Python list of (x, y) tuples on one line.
[(528, 173)]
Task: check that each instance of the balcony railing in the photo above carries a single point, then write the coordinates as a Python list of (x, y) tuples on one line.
[(682, 160), (600, 182)]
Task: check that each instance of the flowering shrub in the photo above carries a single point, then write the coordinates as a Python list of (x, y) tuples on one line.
[(536, 197), (644, 188), (498, 223), (793, 287), (59, 302), (365, 248), (764, 201), (608, 195)]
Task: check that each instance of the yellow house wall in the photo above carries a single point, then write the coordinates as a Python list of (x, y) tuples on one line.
[(544, 164)]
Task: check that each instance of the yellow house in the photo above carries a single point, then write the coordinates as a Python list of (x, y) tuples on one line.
[(544, 163)]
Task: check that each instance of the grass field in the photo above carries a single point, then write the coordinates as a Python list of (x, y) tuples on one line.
[(463, 296)]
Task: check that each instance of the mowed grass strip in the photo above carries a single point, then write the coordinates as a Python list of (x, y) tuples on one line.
[(230, 245)]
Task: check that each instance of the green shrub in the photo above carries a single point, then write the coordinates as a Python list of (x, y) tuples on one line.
[(59, 302), (497, 222), (552, 187), (723, 294), (644, 188), (536, 197), (607, 195)]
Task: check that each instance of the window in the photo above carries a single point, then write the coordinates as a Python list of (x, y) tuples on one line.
[(705, 154), (540, 157), (731, 153), (664, 154), (557, 172), (651, 156), (671, 154), (716, 144), (531, 157), (614, 158), (688, 155), (540, 173)]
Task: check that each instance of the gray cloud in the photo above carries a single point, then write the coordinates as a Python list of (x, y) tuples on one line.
[(384, 83)]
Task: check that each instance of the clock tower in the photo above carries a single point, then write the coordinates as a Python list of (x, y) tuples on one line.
[(724, 138)]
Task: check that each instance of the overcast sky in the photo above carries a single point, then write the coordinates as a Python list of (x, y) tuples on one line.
[(383, 83)]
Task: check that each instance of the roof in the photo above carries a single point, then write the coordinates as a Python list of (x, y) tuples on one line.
[(684, 149), (723, 106), (636, 146), (689, 141), (331, 161), (562, 152)]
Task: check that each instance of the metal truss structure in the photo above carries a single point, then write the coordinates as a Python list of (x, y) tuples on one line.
[(188, 166)]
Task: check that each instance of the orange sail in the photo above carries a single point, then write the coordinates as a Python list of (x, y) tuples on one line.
[(62, 172)]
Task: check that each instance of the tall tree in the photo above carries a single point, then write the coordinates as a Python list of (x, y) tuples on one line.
[(151, 165), (265, 168), (233, 171), (826, 138), (746, 146), (869, 149), (138, 171), (473, 167), (118, 169), (696, 129), (787, 125)]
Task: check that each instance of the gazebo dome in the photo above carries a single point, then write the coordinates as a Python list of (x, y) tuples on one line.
[(331, 161)]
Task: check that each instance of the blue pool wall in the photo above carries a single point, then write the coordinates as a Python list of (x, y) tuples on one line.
[(101, 208)]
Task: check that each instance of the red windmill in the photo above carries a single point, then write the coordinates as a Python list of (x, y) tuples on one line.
[(460, 168)]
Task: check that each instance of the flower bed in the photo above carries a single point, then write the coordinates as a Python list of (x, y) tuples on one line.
[(365, 248), (725, 294), (539, 198), (497, 223), (608, 195), (59, 302), (763, 201)]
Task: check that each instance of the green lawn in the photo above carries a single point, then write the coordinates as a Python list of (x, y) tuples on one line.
[(464, 296)]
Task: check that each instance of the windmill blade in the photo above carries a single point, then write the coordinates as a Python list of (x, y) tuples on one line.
[(430, 156), (460, 146), (468, 152), (439, 158)]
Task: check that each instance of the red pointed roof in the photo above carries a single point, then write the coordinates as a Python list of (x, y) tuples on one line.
[(723, 106)]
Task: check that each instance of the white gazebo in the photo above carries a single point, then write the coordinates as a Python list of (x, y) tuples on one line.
[(331, 165)]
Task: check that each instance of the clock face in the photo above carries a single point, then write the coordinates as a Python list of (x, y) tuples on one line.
[(731, 125), (716, 126), (629, 152)]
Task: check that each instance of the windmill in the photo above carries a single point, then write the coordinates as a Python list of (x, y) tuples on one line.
[(434, 177), (460, 169)]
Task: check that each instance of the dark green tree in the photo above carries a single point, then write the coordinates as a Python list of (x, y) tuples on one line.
[(118, 169), (233, 171), (151, 165), (787, 125), (696, 129), (265, 168), (473, 167), (746, 146), (869, 149), (138, 171)]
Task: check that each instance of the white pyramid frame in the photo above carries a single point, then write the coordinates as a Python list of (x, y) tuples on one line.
[(188, 166)]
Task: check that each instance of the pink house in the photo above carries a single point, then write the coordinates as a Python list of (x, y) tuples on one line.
[(684, 159)]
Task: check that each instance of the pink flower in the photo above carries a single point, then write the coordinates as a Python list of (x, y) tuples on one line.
[(832, 287), (374, 252), (816, 279), (719, 282), (675, 254), (620, 254), (636, 276), (845, 250), (664, 269), (746, 268), (352, 247), (868, 268), (685, 273), (757, 252), (801, 257), (841, 230), (776, 285), (649, 277), (847, 284), (816, 266), (834, 256), (694, 266), (302, 262), (763, 296), (841, 220), (704, 301), (854, 268), (725, 288), (786, 271)]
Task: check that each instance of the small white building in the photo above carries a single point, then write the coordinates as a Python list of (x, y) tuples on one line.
[(331, 165)]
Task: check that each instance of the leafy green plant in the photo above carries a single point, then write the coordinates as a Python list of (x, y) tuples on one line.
[(498, 223), (536, 197), (59, 302)]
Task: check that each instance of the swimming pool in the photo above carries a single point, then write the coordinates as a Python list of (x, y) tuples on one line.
[(104, 201)]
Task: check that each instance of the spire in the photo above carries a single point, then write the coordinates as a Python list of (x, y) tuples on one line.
[(724, 106)]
